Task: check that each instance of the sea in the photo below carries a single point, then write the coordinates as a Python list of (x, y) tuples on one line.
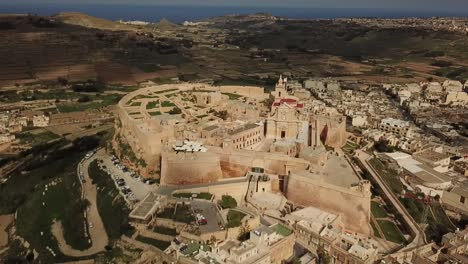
[(178, 14)]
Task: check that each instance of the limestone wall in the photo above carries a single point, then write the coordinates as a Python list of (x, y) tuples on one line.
[(282, 250), (188, 168), (218, 163), (248, 91), (353, 206)]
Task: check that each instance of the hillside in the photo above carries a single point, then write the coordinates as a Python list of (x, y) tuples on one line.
[(84, 20)]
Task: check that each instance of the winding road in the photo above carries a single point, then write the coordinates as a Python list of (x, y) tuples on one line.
[(97, 233)]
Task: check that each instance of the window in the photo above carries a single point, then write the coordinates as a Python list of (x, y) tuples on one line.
[(462, 199), (283, 134)]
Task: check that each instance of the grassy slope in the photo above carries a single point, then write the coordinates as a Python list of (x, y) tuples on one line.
[(62, 202), (112, 208)]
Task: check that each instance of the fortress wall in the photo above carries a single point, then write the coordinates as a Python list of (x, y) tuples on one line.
[(248, 91), (236, 163), (237, 189), (189, 169), (337, 134), (353, 206), (177, 169)]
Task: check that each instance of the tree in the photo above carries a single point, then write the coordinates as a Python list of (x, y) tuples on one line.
[(62, 81), (228, 201), (84, 99), (244, 232)]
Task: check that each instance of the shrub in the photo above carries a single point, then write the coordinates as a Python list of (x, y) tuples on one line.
[(228, 201)]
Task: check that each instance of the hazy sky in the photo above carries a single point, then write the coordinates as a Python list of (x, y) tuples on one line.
[(455, 5)]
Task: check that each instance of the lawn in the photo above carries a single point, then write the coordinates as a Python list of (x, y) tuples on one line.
[(162, 245), (152, 104), (389, 176), (391, 231), (202, 195), (62, 202), (377, 210), (234, 218), (154, 113), (282, 230), (165, 230), (167, 104), (111, 205), (227, 201), (376, 231), (350, 147)]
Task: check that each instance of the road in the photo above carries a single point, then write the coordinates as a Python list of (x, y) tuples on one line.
[(419, 233), (97, 233)]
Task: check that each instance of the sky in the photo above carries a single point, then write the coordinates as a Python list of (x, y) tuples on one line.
[(454, 5)]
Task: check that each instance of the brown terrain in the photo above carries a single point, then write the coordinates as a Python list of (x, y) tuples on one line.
[(5, 221), (79, 47)]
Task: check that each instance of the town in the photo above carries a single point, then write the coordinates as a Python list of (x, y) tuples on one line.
[(224, 174), (233, 139)]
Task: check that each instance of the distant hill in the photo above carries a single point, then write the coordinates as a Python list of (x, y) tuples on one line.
[(80, 19), (165, 24)]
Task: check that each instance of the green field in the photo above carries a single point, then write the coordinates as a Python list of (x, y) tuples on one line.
[(377, 210), (111, 206), (391, 231), (350, 147), (390, 177), (36, 138), (167, 104), (234, 218), (282, 230), (62, 202), (154, 113), (98, 101), (202, 195), (152, 104), (162, 245), (165, 230), (375, 230)]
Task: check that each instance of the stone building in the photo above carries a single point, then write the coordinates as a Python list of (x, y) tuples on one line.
[(317, 229), (395, 126), (210, 98)]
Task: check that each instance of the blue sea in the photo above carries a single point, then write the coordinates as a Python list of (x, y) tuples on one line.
[(179, 14)]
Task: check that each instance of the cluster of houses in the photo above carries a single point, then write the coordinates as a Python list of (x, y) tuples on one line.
[(12, 122)]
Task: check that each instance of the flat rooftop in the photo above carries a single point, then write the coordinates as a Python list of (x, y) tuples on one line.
[(337, 171), (313, 214), (430, 155), (146, 207), (243, 128), (418, 169)]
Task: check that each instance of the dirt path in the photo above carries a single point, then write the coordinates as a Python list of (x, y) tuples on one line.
[(97, 233), (5, 221)]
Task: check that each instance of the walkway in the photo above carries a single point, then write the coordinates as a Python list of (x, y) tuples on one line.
[(419, 234), (97, 232)]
